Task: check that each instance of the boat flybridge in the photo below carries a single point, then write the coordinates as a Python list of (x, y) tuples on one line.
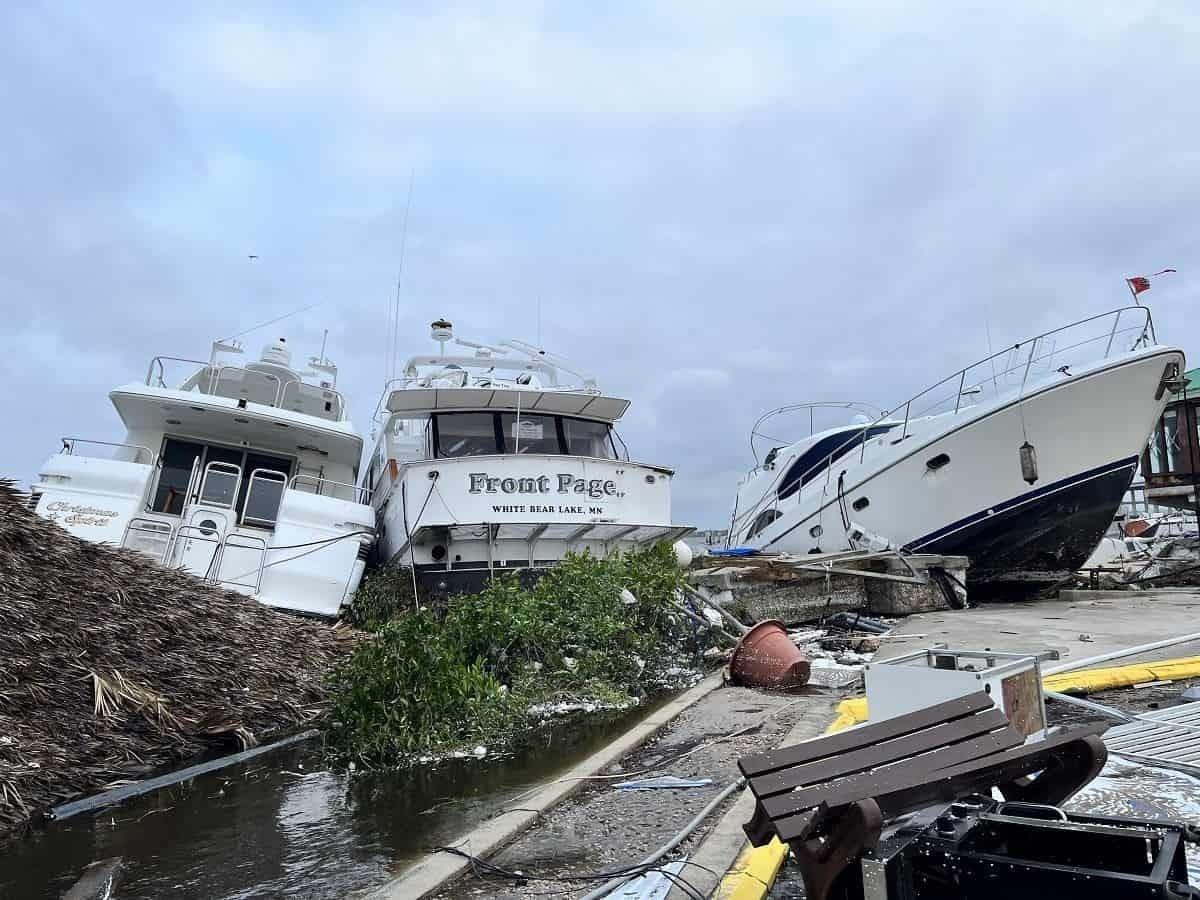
[(244, 475), (1018, 462), (487, 462)]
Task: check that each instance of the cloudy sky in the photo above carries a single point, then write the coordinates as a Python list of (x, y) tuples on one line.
[(721, 207)]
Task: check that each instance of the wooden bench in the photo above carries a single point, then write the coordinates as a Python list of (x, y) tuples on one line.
[(827, 798)]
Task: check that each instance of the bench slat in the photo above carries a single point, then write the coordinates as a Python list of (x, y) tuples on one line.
[(864, 735), (904, 795), (904, 773), (889, 751)]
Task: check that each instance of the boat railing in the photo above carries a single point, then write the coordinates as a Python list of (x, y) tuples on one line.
[(417, 381), (156, 374), (324, 487), (231, 382), (1005, 371), (69, 444)]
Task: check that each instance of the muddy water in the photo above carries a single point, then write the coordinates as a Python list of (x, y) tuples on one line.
[(282, 825)]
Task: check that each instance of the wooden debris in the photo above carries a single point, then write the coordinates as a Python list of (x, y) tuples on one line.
[(111, 666)]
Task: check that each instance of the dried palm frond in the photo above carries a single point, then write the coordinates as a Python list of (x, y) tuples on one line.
[(111, 666)]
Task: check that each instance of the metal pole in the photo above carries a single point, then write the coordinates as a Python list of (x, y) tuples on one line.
[(962, 382), (1112, 334)]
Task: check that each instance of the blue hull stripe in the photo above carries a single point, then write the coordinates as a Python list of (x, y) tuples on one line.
[(1021, 499)]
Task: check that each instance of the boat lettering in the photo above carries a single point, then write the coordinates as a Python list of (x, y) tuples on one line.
[(76, 514), (566, 483)]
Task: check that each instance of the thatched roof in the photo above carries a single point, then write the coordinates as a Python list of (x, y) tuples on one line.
[(111, 666)]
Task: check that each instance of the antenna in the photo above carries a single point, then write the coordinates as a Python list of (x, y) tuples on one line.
[(399, 275), (294, 312)]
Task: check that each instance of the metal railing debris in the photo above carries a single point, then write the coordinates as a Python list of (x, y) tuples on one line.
[(129, 791)]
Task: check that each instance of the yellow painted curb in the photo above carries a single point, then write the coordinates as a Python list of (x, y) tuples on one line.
[(753, 872), (1090, 680)]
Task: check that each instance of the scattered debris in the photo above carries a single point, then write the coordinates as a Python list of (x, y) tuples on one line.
[(113, 666), (766, 657)]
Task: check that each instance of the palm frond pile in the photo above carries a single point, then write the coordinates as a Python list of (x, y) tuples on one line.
[(111, 666)]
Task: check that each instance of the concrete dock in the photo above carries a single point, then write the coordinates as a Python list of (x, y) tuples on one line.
[(1110, 620)]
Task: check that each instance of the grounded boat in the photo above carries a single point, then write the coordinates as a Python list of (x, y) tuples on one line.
[(243, 475), (486, 462), (1018, 462)]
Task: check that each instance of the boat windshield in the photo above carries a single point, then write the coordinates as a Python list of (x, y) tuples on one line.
[(808, 466), (483, 434)]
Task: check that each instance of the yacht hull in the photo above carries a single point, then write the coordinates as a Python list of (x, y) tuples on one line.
[(954, 483), (1039, 538)]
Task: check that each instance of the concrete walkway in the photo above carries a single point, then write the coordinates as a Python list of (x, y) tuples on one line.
[(602, 828), (1112, 619)]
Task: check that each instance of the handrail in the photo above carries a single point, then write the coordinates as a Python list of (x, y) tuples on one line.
[(70, 442), (210, 384), (859, 405), (362, 495), (389, 386), (161, 373), (1145, 332)]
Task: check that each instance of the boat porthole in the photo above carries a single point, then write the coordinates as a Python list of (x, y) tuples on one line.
[(937, 462), (861, 503), (816, 531), (207, 527), (649, 479), (438, 552)]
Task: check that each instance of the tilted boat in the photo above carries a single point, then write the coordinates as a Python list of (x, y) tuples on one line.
[(488, 461), (242, 475), (1018, 461)]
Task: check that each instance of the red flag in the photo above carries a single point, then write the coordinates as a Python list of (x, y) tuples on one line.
[(1138, 284)]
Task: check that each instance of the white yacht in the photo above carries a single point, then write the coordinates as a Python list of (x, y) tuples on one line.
[(488, 462), (242, 474), (1018, 461)]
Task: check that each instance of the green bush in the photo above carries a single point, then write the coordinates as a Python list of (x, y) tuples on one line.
[(382, 595), (468, 672)]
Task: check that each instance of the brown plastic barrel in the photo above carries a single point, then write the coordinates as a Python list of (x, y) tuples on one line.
[(765, 657)]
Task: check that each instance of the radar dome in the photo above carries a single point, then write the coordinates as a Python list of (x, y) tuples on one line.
[(277, 352)]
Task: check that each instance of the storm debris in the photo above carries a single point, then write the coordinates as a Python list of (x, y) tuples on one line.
[(112, 667)]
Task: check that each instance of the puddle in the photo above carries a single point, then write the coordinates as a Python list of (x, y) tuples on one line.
[(1128, 789), (280, 825)]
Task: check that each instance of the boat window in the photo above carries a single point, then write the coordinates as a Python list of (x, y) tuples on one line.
[(224, 477), (812, 462), (1171, 436), (177, 457), (532, 434), (465, 434), (765, 518), (585, 438)]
